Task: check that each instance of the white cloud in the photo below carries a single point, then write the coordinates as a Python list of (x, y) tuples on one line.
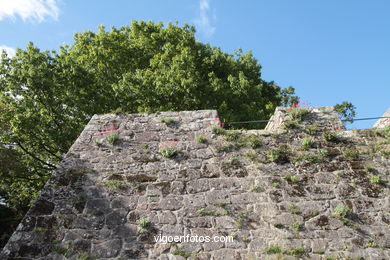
[(29, 10), (205, 19), (10, 51)]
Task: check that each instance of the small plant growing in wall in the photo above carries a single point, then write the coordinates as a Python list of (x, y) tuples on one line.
[(331, 136), (143, 225), (232, 135), (145, 148), (310, 129), (201, 139), (217, 127), (111, 135), (274, 249), (322, 153), (168, 121), (241, 219), (251, 156), (291, 179), (371, 243), (307, 143), (202, 212), (342, 211), (376, 179), (113, 184), (297, 112), (98, 142), (231, 161), (180, 252), (278, 155), (291, 124), (297, 251), (168, 149), (294, 209), (297, 226), (254, 188), (350, 154), (112, 138), (254, 141), (39, 230)]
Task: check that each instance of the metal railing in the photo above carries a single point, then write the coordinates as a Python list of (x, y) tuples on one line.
[(266, 121)]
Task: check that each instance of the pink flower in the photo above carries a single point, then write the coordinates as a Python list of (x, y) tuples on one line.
[(218, 122), (167, 144), (112, 127)]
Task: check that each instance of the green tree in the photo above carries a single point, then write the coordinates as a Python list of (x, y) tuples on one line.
[(346, 111), (47, 97)]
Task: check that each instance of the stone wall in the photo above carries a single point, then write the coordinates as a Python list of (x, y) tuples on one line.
[(324, 116), (306, 189), (383, 122)]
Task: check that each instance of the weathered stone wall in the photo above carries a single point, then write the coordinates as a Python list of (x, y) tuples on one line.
[(324, 116), (383, 122), (275, 196)]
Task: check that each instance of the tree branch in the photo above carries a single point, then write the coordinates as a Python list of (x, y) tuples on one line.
[(35, 157)]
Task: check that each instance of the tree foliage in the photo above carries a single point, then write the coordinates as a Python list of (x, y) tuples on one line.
[(346, 111), (46, 97)]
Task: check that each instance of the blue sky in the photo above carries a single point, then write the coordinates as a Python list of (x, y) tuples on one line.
[(330, 51)]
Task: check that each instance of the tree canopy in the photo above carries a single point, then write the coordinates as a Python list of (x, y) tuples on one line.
[(46, 97)]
